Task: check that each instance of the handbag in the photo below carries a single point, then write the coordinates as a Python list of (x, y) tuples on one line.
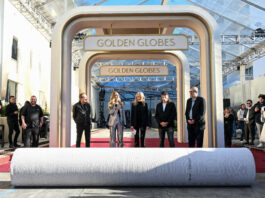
[(111, 120)]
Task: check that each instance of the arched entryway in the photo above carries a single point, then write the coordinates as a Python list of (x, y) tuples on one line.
[(134, 17)]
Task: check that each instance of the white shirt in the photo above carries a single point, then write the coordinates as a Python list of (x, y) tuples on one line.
[(240, 114), (192, 104), (247, 116), (164, 106)]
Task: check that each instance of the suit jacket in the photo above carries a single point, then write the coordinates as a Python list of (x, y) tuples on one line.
[(251, 115), (198, 112), (258, 113), (144, 119), (168, 116), (81, 113), (114, 113)]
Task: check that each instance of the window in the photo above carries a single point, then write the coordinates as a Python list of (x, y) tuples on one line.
[(11, 89), (249, 73), (14, 49)]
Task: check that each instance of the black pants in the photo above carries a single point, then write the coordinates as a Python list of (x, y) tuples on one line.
[(195, 133), (228, 136), (250, 129), (34, 133), (79, 131), (23, 135), (13, 125), (170, 136), (136, 137)]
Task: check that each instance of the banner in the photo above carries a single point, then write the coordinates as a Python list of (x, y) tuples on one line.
[(133, 70), (135, 42)]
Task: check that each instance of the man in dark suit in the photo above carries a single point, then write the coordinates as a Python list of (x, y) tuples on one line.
[(82, 118), (195, 111), (249, 118), (165, 116), (0, 107), (12, 121)]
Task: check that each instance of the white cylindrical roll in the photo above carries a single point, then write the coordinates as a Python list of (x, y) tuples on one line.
[(132, 167)]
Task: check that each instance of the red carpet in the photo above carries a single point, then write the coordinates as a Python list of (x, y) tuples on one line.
[(153, 142)]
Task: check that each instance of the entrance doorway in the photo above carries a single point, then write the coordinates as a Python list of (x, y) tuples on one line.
[(126, 18)]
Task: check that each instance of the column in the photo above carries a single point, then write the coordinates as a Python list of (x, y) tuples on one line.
[(243, 81), (1, 41)]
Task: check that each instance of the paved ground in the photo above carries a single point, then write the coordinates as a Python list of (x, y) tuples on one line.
[(257, 191)]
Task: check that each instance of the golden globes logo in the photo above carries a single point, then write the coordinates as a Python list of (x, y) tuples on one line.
[(138, 70), (136, 42)]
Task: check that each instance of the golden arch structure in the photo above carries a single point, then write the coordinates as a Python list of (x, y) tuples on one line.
[(176, 57), (136, 17)]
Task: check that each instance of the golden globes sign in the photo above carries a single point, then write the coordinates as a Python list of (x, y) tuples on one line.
[(136, 70), (135, 42)]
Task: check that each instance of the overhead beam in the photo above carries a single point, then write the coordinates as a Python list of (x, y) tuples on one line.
[(142, 2), (254, 5), (99, 3), (43, 3)]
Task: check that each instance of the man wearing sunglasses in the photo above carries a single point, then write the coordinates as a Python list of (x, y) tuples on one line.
[(249, 118), (195, 112)]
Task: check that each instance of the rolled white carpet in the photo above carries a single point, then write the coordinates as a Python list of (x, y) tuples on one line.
[(132, 167)]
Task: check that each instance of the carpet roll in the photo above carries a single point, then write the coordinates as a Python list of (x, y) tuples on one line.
[(132, 167)]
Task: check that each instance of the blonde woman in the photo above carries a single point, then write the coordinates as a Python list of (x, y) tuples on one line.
[(116, 120), (139, 118)]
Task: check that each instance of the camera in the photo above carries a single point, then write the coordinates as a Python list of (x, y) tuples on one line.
[(116, 105)]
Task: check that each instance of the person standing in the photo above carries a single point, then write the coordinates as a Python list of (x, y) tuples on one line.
[(20, 121), (241, 123), (249, 118), (257, 108), (117, 119), (262, 135), (228, 127), (234, 121), (165, 116), (195, 117), (0, 107), (12, 121), (82, 118), (32, 120), (139, 118)]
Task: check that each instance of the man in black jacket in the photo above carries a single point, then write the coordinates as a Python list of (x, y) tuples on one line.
[(81, 115), (249, 118), (12, 121), (20, 120), (165, 116), (32, 120), (195, 112), (257, 107), (0, 107)]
